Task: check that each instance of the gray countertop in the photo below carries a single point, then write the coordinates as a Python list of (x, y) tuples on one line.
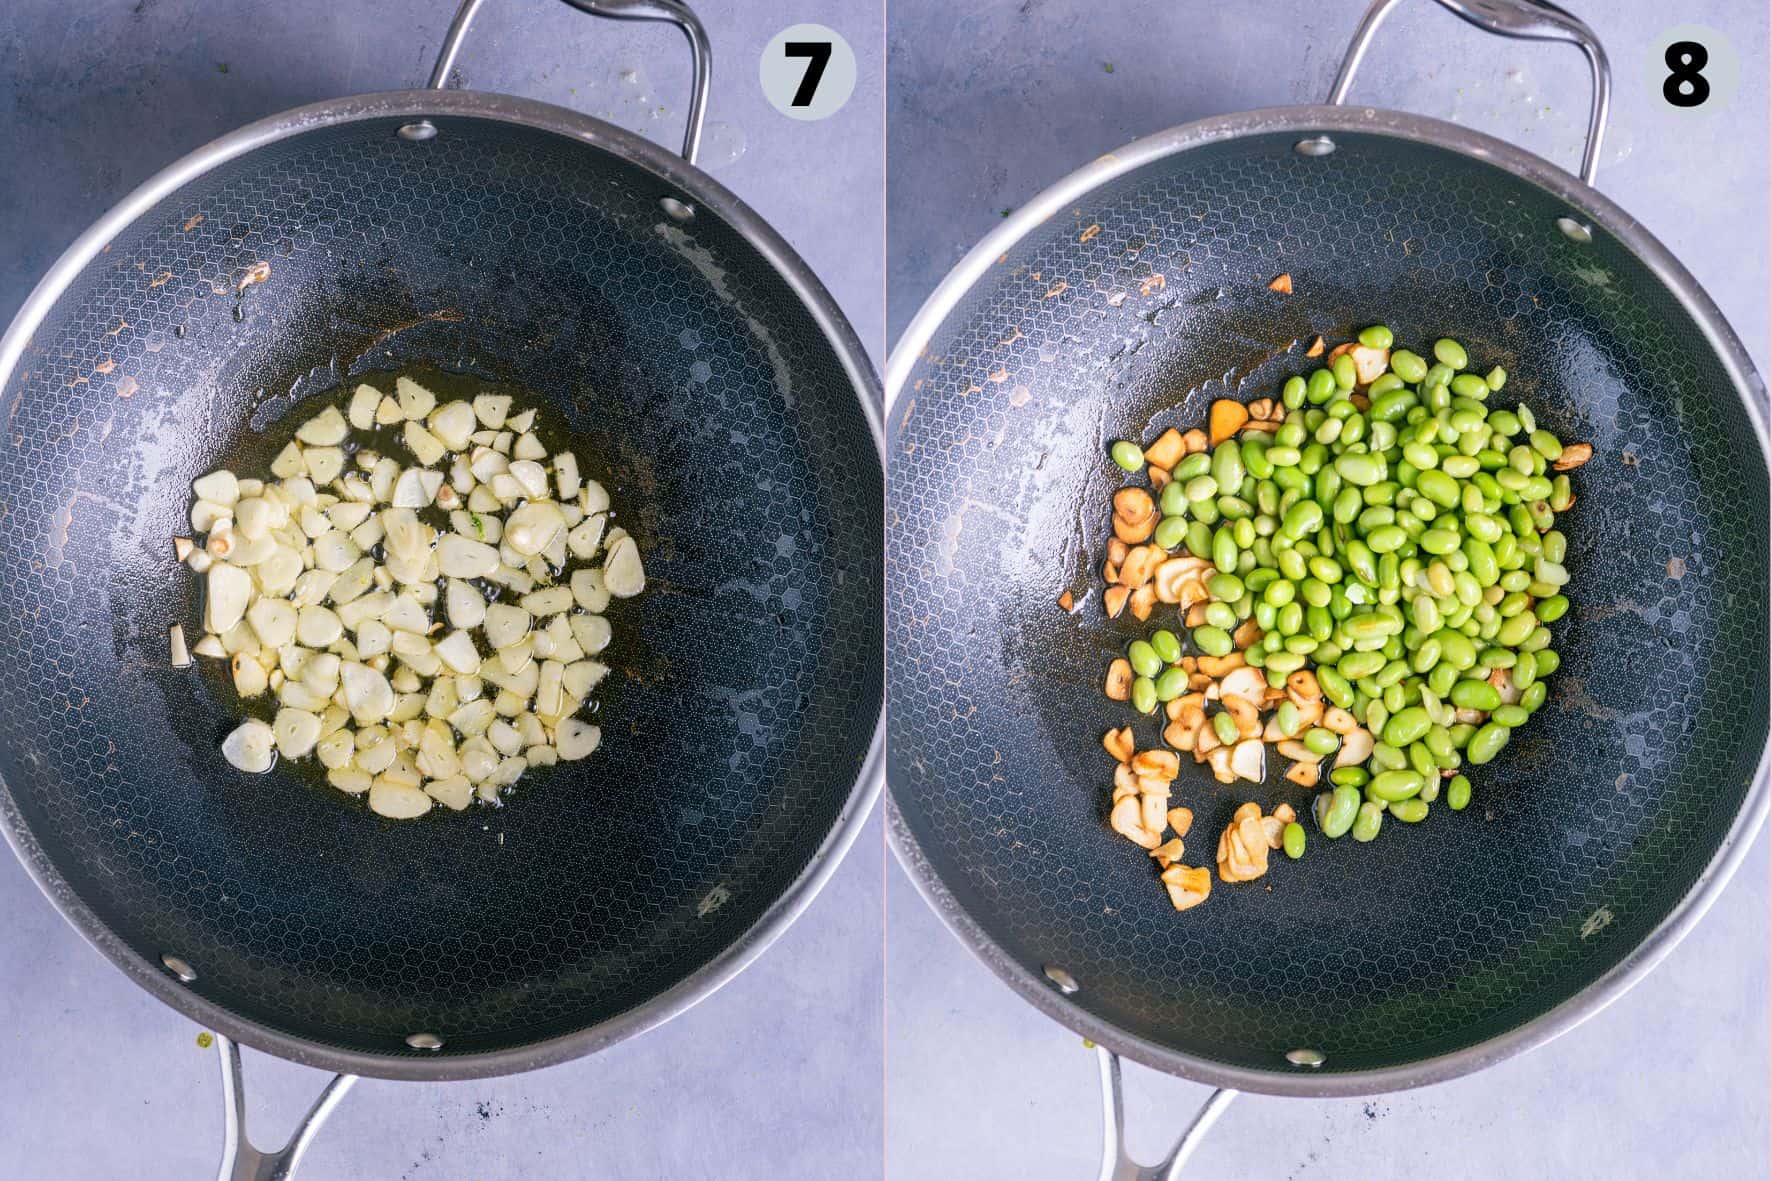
[(991, 102), (775, 1076)]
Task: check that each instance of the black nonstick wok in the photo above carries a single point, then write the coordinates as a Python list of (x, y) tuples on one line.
[(1122, 301), (692, 357)]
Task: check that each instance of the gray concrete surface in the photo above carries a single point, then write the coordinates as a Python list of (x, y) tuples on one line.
[(992, 101), (777, 1075)]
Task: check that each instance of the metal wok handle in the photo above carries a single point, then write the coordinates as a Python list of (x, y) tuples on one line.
[(672, 11), (1531, 20), (241, 1160), (1116, 1163)]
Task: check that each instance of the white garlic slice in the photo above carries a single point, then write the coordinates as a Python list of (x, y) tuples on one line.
[(250, 747)]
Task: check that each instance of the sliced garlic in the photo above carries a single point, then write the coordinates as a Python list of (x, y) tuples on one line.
[(463, 557), (415, 400), (505, 625), (586, 536), (463, 604), (273, 620), (324, 463), (492, 409), (548, 601), (368, 695), (364, 400), (457, 651), (622, 573), (425, 446), (576, 739), (230, 590), (452, 424), (250, 747), (397, 801), (219, 487), (296, 732)]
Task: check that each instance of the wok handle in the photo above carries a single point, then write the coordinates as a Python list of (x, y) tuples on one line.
[(1531, 20), (241, 1160), (672, 11), (1116, 1163)]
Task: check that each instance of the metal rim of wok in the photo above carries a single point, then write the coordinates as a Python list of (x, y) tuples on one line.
[(679, 181), (1587, 205)]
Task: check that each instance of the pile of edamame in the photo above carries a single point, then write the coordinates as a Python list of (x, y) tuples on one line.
[(1399, 540)]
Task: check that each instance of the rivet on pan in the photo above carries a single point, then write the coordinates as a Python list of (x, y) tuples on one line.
[(1316, 145), (1066, 982), (676, 210), (1574, 230), (1306, 1057), (178, 967), (418, 132), (424, 1041)]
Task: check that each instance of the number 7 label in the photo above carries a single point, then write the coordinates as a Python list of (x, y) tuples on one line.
[(807, 72)]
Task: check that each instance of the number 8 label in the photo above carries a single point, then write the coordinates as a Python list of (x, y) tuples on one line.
[(1686, 85), (807, 72), (1692, 70)]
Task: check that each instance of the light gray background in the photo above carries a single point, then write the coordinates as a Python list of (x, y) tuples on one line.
[(989, 103), (775, 1076)]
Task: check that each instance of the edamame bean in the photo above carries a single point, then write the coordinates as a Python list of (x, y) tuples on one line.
[(1213, 641), (1226, 726), (1458, 793), (1391, 786), (1410, 811), (1292, 839), (1367, 822), (1450, 353), (1486, 743), (1171, 683), (1166, 644), (1338, 815), (1408, 366), (1144, 695), (1128, 455), (1144, 658)]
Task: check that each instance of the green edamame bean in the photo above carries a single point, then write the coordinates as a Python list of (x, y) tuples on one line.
[(1391, 786), (1321, 742), (1471, 694), (1144, 695), (1292, 839), (1406, 725), (1339, 814), (1450, 353), (1377, 337), (1226, 727), (1367, 822), (1458, 793), (1213, 641), (1532, 696), (1128, 455), (1408, 366), (1227, 588), (1166, 644), (1343, 369), (1511, 716), (1144, 658), (1171, 683), (1410, 811), (1486, 743)]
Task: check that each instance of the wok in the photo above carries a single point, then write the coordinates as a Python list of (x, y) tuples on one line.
[(1122, 301), (696, 363)]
